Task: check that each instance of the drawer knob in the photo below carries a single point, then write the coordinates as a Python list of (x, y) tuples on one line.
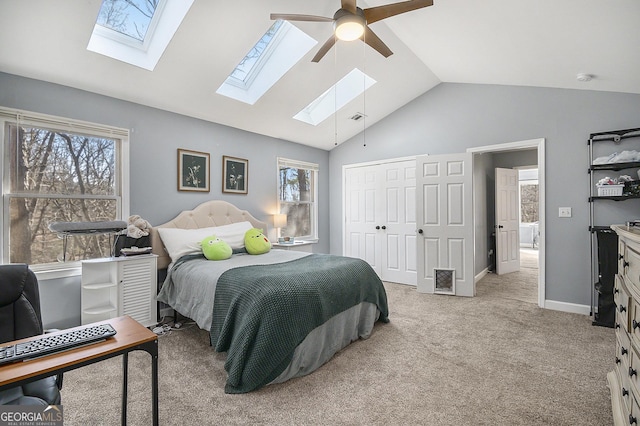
[(632, 420), (625, 392), (623, 350), (617, 360), (636, 324), (616, 291), (622, 308), (632, 372), (620, 256), (617, 325), (625, 264)]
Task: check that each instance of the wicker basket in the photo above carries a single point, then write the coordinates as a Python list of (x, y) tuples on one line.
[(609, 190)]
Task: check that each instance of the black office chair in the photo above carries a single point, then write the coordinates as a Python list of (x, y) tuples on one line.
[(20, 318)]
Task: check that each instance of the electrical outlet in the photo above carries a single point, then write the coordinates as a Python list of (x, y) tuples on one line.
[(564, 212)]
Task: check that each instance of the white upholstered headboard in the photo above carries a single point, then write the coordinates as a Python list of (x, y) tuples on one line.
[(210, 213)]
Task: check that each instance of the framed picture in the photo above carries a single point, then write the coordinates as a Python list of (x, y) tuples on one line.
[(193, 171), (235, 175)]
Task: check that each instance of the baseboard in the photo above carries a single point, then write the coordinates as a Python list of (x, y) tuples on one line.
[(573, 308), (481, 275)]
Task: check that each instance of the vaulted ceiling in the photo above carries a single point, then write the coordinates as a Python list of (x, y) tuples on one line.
[(542, 43)]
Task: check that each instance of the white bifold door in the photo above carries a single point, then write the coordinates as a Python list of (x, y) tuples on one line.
[(380, 222), (444, 214)]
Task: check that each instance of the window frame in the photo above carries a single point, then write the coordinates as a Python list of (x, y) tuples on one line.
[(45, 121), (314, 168)]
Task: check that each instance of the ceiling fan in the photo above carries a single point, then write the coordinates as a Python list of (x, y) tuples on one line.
[(350, 22)]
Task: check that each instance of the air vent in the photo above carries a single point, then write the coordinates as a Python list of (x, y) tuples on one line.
[(357, 116)]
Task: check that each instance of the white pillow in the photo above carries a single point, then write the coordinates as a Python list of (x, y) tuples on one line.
[(181, 242), (232, 234)]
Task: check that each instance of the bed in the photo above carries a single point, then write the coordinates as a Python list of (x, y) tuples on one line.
[(277, 315)]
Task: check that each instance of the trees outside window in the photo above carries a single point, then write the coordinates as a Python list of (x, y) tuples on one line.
[(297, 189), (57, 174)]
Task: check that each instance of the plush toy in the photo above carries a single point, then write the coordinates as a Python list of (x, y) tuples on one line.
[(138, 227), (215, 249), (256, 242)]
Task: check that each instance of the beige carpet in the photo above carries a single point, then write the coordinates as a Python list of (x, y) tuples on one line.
[(443, 360), (521, 285)]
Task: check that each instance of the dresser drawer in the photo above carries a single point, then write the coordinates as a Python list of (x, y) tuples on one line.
[(634, 417), (623, 350), (622, 372), (631, 265), (622, 301), (634, 371)]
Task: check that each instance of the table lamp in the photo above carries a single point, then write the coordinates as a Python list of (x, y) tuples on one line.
[(279, 221)]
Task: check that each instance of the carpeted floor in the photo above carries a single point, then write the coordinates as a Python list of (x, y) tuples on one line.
[(443, 360)]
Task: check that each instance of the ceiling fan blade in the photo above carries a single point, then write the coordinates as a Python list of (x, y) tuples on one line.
[(324, 49), (294, 17), (374, 41), (374, 14), (349, 5)]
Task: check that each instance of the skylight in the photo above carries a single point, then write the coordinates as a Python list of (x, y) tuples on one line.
[(277, 51), (137, 31), (338, 95), (130, 18)]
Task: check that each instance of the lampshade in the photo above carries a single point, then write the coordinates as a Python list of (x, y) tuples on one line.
[(349, 27), (279, 220)]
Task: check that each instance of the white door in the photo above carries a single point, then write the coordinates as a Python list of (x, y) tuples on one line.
[(398, 226), (507, 221), (380, 218), (362, 215), (444, 213)]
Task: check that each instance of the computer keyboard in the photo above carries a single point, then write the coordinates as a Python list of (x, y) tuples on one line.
[(48, 345)]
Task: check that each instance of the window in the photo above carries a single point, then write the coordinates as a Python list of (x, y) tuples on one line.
[(137, 31), (337, 96), (528, 195), (277, 51), (59, 170), (297, 196)]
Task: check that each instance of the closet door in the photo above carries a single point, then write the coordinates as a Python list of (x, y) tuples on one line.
[(362, 215), (380, 222), (398, 238)]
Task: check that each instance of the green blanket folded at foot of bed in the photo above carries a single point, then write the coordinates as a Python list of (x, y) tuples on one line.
[(261, 313)]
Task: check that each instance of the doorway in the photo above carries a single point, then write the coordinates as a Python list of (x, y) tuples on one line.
[(484, 204)]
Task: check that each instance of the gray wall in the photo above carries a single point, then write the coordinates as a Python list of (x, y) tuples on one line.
[(155, 137), (453, 117)]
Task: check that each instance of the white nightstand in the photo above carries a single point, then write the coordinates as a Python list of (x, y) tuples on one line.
[(117, 286), (306, 246)]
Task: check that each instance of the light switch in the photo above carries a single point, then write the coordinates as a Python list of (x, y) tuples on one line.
[(564, 212)]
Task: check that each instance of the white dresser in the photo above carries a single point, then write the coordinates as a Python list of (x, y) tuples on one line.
[(624, 382), (117, 286)]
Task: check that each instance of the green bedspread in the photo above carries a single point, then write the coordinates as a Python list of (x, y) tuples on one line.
[(261, 313)]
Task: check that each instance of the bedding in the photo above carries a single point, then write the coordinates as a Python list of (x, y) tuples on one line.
[(277, 315), (251, 301)]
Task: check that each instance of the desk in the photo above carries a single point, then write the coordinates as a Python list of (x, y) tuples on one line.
[(130, 336)]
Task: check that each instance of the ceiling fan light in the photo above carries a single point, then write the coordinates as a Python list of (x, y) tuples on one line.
[(349, 27)]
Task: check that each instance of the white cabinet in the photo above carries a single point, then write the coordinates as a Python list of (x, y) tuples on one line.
[(117, 286)]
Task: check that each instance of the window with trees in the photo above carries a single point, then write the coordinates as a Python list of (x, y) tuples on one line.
[(297, 195), (59, 170)]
